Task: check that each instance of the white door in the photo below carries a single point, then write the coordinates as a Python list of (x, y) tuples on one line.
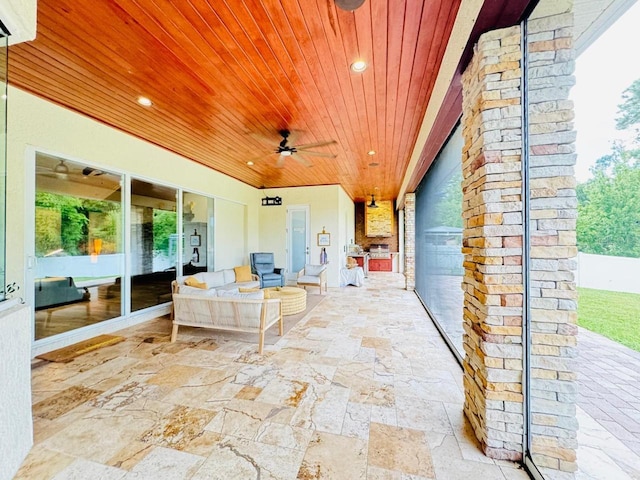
[(297, 237)]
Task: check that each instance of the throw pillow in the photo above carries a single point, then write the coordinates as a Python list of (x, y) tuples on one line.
[(193, 282), (187, 290), (250, 290), (243, 273)]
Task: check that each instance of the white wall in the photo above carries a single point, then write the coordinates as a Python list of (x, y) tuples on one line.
[(602, 272), (16, 435), (328, 207), (231, 235)]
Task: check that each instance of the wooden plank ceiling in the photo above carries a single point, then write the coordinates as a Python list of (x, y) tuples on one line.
[(226, 75)]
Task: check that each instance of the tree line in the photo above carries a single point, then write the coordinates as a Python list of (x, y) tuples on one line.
[(609, 202)]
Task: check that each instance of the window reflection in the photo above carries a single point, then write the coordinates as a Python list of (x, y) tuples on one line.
[(153, 225), (439, 257), (197, 225), (78, 245)]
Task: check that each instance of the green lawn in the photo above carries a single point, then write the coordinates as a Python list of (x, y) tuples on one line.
[(612, 314)]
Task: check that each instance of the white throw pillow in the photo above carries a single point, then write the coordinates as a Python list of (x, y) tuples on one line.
[(213, 279), (203, 292), (229, 275), (313, 270)]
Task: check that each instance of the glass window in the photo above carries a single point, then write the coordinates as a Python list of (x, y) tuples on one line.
[(153, 260), (439, 240), (197, 226), (4, 51), (78, 245)]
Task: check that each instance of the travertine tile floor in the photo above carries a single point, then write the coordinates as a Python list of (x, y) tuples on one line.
[(361, 388)]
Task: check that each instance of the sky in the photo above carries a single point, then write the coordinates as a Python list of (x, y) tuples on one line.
[(603, 71)]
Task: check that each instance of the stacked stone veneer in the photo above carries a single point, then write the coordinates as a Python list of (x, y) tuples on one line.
[(493, 240), (492, 243), (410, 241), (553, 242)]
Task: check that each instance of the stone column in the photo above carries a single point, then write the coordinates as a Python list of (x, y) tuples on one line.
[(492, 244), (410, 240), (493, 239), (553, 242)]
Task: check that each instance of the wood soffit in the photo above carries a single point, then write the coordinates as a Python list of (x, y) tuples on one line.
[(226, 76)]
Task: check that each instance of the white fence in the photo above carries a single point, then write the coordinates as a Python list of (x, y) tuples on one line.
[(618, 274)]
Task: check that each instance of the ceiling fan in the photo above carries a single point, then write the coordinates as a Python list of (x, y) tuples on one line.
[(63, 171), (298, 152)]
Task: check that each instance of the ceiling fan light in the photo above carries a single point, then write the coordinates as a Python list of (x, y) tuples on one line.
[(61, 168), (349, 5)]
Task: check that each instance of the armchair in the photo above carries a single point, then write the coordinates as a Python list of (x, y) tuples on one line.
[(263, 265), (313, 276)]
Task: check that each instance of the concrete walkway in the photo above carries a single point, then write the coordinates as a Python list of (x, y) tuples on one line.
[(608, 409)]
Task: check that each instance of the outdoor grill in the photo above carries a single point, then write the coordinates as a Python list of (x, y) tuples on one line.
[(379, 250)]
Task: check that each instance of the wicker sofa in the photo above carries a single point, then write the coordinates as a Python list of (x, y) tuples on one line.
[(218, 280), (238, 312)]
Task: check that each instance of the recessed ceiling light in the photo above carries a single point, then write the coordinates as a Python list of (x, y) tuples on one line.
[(371, 152), (250, 163), (144, 101), (359, 66), (373, 164)]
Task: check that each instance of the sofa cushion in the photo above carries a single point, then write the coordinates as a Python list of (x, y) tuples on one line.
[(309, 280), (243, 273), (313, 270), (229, 275), (213, 279), (193, 282), (266, 293), (235, 293), (187, 290)]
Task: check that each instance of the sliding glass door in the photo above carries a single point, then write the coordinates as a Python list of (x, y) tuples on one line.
[(78, 245), (153, 221)]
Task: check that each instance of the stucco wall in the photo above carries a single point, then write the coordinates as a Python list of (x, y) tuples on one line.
[(16, 435), (329, 207)]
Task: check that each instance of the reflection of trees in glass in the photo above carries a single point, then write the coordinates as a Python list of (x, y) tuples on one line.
[(63, 222), (164, 225), (448, 207), (106, 226), (48, 237)]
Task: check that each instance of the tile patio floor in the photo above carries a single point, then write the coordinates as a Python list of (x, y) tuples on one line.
[(362, 387), (608, 409)]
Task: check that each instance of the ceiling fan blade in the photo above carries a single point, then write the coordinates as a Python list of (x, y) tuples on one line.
[(264, 138), (280, 162), (317, 144), (299, 158), (318, 154), (264, 155)]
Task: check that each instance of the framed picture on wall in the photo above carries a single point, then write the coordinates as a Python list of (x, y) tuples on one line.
[(194, 240), (324, 239)]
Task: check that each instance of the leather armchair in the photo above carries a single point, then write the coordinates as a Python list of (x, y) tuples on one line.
[(263, 265)]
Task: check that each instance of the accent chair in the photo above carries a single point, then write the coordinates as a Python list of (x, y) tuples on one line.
[(263, 265), (313, 276)]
